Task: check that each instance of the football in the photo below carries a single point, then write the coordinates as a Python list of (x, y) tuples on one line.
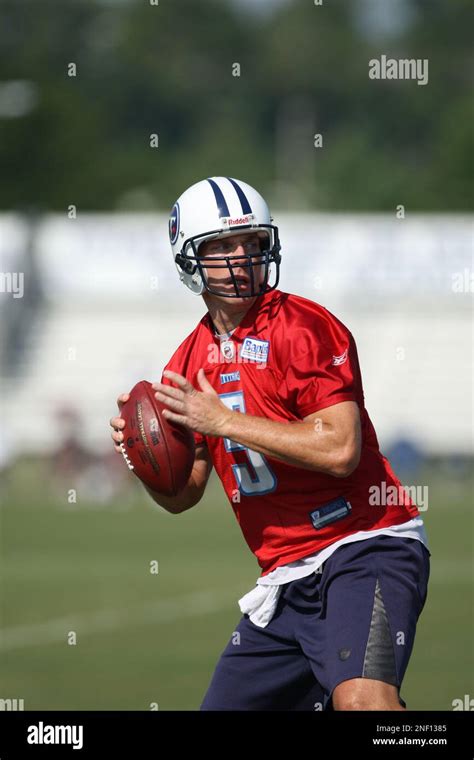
[(159, 452)]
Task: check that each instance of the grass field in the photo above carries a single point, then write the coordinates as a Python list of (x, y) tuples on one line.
[(144, 638)]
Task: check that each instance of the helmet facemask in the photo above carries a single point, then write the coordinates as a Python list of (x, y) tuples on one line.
[(192, 263)]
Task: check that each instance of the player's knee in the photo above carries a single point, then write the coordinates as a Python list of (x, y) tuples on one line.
[(351, 701), (348, 697), (358, 702)]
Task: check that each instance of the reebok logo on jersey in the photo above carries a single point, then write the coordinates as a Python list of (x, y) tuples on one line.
[(230, 377), (255, 350), (337, 360)]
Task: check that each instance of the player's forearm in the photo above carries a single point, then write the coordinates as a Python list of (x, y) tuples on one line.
[(300, 444)]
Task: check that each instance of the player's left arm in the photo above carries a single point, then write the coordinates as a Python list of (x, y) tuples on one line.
[(328, 440)]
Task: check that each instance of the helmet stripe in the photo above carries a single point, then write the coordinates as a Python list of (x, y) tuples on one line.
[(220, 200), (246, 208)]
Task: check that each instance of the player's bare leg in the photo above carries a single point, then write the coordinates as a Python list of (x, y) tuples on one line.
[(365, 694)]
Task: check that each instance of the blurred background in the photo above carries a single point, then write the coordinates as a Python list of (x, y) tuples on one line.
[(109, 109)]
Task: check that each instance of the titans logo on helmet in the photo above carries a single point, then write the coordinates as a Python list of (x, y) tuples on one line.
[(174, 224)]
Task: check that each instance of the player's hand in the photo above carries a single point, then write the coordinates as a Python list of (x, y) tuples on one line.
[(117, 423), (200, 410)]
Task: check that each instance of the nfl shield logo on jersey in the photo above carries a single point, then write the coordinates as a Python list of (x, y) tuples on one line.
[(228, 350)]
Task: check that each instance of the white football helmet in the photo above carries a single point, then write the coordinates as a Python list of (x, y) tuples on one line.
[(214, 208)]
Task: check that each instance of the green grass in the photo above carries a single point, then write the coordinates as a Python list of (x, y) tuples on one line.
[(144, 638)]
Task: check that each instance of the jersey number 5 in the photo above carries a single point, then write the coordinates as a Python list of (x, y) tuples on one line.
[(258, 478)]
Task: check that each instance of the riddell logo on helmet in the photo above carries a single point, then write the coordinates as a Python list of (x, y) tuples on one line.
[(239, 220)]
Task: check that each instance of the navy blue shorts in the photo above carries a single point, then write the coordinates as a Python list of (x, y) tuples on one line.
[(354, 618)]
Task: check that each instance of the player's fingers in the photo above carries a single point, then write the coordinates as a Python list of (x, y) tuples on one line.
[(117, 436), (168, 390), (204, 382), (179, 418), (173, 403), (179, 380), (117, 422), (122, 399)]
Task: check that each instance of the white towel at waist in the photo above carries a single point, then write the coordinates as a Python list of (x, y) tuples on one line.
[(260, 603)]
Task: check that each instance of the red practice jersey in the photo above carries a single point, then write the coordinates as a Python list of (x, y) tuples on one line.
[(291, 358)]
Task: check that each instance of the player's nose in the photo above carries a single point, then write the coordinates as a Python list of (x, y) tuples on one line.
[(240, 268), (240, 258), (239, 250)]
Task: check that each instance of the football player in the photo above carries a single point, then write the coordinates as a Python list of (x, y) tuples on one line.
[(269, 383)]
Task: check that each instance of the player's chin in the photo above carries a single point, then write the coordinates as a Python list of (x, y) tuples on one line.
[(235, 301), (244, 296)]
